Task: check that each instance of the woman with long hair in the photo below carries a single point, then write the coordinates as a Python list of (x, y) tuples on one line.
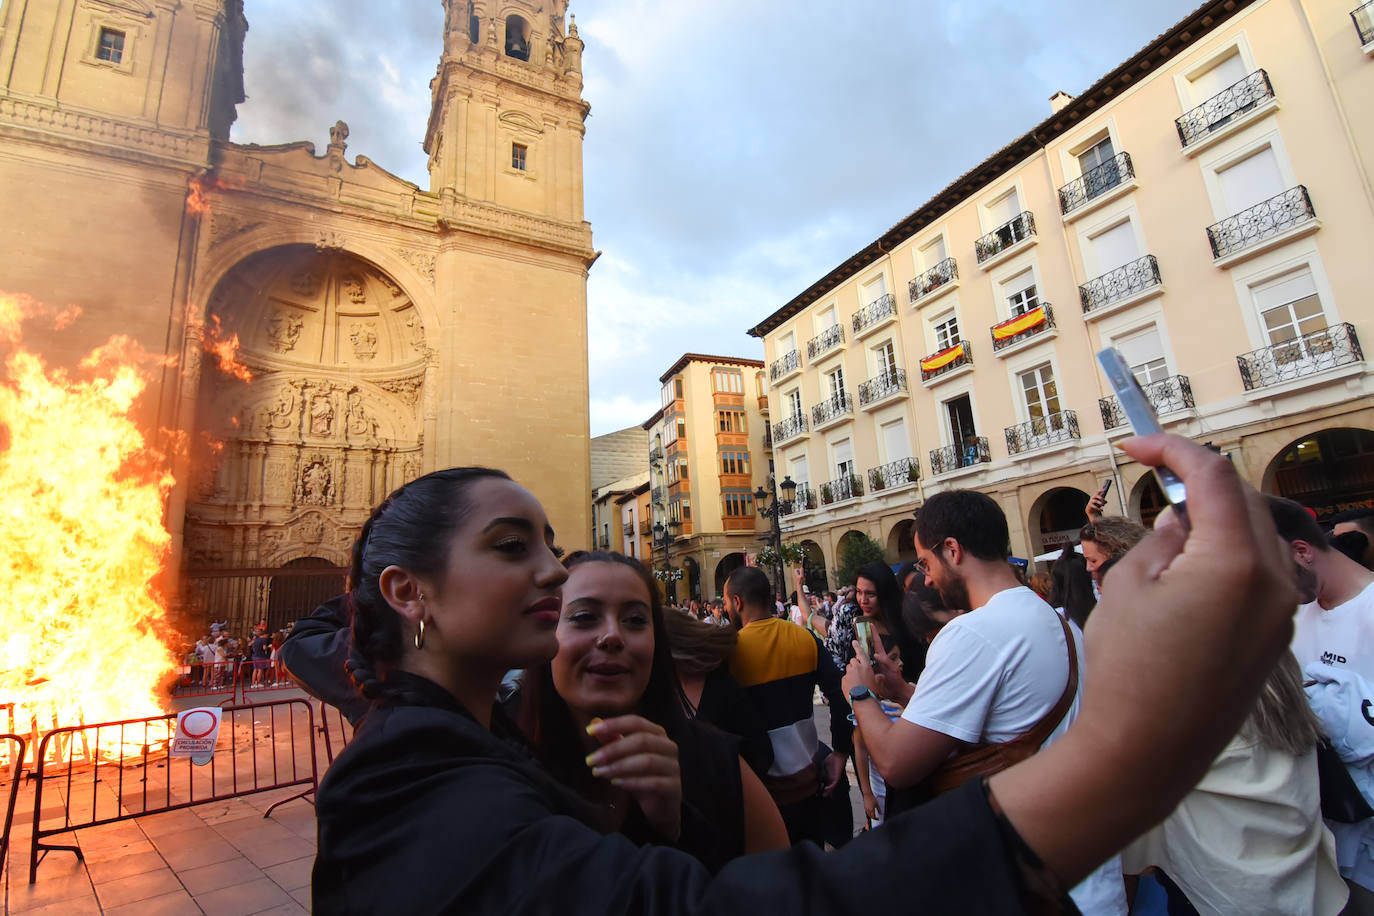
[(436, 806), (701, 651), (614, 661), (1071, 589)]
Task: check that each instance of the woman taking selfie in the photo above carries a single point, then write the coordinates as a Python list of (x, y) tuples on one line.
[(434, 808)]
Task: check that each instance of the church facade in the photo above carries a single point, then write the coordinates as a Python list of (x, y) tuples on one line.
[(388, 330)]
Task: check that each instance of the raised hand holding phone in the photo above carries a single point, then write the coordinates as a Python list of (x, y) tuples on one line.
[(1140, 413)]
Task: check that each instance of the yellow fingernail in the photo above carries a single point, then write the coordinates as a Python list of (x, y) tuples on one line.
[(597, 772), (593, 725)]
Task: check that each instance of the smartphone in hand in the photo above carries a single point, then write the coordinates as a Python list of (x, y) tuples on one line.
[(1140, 413), (863, 632)]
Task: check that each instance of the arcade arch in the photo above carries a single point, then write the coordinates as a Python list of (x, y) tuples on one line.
[(1328, 471), (1055, 518)]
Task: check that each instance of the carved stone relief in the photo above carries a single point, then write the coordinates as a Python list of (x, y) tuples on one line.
[(354, 288), (421, 261), (283, 330), (310, 529), (283, 413), (361, 425), (410, 468), (321, 415), (307, 282), (407, 389), (224, 226), (316, 484), (363, 334), (416, 327)]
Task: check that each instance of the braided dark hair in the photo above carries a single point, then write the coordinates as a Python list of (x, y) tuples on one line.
[(411, 529)]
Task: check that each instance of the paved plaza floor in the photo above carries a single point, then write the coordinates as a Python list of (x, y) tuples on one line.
[(219, 858)]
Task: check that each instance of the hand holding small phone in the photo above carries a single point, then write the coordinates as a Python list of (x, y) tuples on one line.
[(1098, 502), (1141, 415), (863, 632)]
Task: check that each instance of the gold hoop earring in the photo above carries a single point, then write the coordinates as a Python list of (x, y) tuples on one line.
[(420, 630)]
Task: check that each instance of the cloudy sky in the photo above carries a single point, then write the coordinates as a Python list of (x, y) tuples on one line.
[(736, 151)]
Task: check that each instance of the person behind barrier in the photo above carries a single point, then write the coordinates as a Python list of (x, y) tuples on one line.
[(435, 806), (665, 778)]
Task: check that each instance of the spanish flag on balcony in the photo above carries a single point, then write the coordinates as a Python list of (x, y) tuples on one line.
[(1020, 324), (943, 358)]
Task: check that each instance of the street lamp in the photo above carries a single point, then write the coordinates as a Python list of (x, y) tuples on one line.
[(774, 512), (663, 539)]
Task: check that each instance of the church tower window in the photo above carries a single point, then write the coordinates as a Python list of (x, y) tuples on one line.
[(517, 38), (111, 47)]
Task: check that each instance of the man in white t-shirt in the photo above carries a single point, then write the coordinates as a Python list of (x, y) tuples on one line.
[(990, 676), (1335, 628)]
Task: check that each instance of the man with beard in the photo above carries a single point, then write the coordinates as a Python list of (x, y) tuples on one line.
[(1001, 679), (1333, 640)]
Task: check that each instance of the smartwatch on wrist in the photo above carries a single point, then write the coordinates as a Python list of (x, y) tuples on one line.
[(861, 693)]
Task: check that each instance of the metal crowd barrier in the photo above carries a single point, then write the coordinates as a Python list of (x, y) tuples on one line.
[(16, 775), (138, 778), (344, 729), (205, 680)]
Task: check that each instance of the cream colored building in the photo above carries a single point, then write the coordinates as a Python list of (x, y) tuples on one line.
[(707, 457), (390, 330), (1206, 207)]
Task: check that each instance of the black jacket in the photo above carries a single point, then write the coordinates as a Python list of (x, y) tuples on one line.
[(425, 812)]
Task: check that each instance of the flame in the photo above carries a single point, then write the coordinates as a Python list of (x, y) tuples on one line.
[(225, 350), (200, 187), (83, 540)]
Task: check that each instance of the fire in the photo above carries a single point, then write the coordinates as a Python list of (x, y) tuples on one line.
[(83, 541), (200, 188), (225, 350)]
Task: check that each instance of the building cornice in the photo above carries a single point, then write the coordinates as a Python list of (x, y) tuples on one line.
[(707, 358), (1149, 59)]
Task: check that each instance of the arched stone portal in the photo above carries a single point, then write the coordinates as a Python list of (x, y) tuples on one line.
[(1056, 517), (813, 567), (303, 585), (901, 542), (728, 564), (291, 462), (1327, 471), (691, 578), (1147, 500)]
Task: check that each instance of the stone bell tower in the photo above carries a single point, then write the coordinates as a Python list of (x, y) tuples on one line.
[(513, 249), (505, 126)]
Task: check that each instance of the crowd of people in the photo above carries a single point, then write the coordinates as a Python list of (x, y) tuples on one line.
[(539, 732), (217, 659)]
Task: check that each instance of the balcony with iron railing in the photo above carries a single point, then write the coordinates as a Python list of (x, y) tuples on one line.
[(1039, 432), (655, 454), (604, 542), (1226, 107), (789, 428), (839, 406), (784, 366), (840, 489), (804, 501), (945, 272), (971, 452), (882, 386), (1020, 328), (1013, 232), (825, 341), (897, 473), (943, 362), (1125, 282), (1363, 17), (1270, 219), (659, 494), (1303, 356), (1166, 395), (874, 315), (1095, 182), (646, 528), (629, 529)]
